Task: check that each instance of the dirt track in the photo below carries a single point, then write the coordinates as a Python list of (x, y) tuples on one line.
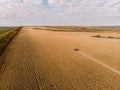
[(45, 60)]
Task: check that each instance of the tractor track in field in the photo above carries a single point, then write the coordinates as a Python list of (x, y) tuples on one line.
[(43, 60)]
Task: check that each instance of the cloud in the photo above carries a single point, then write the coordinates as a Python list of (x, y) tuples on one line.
[(22, 8), (50, 9)]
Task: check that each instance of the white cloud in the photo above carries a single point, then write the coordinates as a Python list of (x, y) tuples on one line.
[(43, 9), (82, 7)]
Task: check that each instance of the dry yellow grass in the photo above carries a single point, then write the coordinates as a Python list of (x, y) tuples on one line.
[(79, 29), (45, 60)]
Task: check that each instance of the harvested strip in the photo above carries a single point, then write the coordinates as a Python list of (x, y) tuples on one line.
[(96, 61)]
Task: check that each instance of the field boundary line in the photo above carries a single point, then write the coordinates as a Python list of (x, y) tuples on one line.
[(98, 62)]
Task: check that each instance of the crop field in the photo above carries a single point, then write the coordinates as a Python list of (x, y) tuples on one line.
[(5, 29), (80, 29), (62, 58)]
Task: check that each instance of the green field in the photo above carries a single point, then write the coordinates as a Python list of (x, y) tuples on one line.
[(5, 29)]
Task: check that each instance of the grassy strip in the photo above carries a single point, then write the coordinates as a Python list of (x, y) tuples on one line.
[(6, 37), (109, 37)]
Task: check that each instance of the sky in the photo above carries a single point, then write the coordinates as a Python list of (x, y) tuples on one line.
[(59, 12)]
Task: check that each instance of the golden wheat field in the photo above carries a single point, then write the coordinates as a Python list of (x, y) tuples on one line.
[(39, 58)]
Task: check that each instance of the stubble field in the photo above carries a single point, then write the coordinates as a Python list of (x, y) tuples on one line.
[(44, 59)]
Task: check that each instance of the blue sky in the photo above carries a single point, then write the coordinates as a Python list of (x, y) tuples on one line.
[(59, 12)]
